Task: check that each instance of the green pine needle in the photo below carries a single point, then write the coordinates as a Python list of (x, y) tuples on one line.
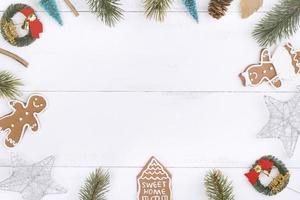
[(217, 186), (279, 23), (156, 8), (96, 186), (107, 10), (9, 85)]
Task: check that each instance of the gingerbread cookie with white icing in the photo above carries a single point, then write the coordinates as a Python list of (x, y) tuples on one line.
[(265, 71), (295, 57), (24, 116)]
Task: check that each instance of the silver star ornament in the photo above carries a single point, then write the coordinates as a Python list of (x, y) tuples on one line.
[(32, 181), (284, 122)]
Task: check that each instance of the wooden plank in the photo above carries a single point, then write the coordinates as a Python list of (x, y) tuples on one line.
[(124, 129), (108, 104), (187, 184), (141, 55)]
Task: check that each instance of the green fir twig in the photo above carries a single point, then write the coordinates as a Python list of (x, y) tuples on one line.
[(217, 186), (279, 23), (156, 8), (96, 186), (107, 10), (9, 85)]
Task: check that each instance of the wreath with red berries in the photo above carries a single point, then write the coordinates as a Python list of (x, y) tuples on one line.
[(31, 23), (265, 165)]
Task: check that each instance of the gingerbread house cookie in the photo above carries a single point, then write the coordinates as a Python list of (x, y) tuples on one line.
[(154, 182)]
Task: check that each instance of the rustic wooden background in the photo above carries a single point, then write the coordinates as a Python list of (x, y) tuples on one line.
[(119, 95)]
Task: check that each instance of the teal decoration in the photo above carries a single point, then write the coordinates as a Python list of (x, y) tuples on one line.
[(192, 8), (51, 8)]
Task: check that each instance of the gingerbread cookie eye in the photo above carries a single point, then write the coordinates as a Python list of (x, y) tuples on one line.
[(265, 165)]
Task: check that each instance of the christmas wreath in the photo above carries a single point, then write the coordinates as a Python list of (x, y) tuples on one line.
[(31, 24), (265, 165)]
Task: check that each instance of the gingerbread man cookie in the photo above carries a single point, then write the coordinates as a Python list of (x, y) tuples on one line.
[(255, 74), (23, 116)]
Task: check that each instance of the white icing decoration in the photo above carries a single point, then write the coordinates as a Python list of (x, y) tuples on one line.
[(293, 57), (247, 79), (283, 63)]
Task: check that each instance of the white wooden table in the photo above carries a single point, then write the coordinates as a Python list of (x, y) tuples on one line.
[(119, 95)]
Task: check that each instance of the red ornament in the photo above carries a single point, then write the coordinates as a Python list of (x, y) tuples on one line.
[(32, 22), (264, 166)]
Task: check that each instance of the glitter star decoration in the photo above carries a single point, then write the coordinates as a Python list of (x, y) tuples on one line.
[(32, 181), (284, 122)]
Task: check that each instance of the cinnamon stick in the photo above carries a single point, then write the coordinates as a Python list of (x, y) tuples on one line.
[(14, 56), (72, 7)]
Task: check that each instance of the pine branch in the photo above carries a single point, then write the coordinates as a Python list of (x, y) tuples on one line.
[(279, 23), (217, 186), (96, 186), (157, 8), (9, 85), (107, 10)]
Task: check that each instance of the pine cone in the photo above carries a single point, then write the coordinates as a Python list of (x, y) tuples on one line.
[(218, 8)]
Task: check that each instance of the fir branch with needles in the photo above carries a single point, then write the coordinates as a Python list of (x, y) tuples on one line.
[(217, 186), (157, 8), (279, 23), (9, 85), (96, 186), (108, 11)]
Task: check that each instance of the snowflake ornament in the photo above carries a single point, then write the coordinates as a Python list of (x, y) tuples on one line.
[(32, 181), (284, 122)]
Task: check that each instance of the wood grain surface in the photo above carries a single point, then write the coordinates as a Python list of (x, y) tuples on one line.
[(120, 95)]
